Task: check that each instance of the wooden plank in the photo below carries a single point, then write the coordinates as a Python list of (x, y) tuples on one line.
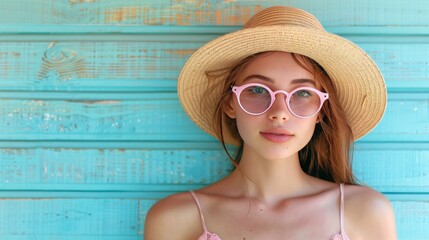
[(409, 109), (159, 117), (397, 168), (77, 169), (37, 32), (65, 217), (393, 170), (69, 237), (164, 12), (154, 119), (66, 66), (144, 65), (412, 219), (399, 61)]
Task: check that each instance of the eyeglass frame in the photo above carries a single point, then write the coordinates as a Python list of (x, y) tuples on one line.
[(238, 89)]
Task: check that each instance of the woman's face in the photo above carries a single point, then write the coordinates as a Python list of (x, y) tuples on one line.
[(277, 133)]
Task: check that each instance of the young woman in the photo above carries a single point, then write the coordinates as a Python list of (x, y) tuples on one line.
[(293, 98)]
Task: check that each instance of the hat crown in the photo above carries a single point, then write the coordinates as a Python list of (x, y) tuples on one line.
[(281, 15)]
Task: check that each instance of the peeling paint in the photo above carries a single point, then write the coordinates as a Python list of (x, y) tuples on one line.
[(123, 14), (80, 1), (94, 102)]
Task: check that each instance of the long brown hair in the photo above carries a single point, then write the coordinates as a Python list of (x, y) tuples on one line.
[(328, 154)]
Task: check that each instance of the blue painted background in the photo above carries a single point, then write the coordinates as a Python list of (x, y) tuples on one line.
[(92, 133)]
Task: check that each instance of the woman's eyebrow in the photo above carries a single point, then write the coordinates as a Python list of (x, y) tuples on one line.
[(262, 77), (303, 80), (268, 79)]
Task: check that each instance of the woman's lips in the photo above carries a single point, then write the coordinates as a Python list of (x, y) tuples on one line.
[(277, 136)]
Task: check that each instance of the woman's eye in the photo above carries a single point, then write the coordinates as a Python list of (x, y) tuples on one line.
[(258, 90), (303, 93)]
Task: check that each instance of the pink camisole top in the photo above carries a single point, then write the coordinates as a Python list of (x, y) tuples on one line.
[(212, 236)]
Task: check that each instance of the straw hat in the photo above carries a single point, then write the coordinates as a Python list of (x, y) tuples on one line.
[(360, 86)]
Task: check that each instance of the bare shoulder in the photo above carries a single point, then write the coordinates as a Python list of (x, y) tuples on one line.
[(174, 217), (368, 214), (366, 198)]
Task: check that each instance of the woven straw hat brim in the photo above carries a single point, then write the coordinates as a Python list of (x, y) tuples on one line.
[(360, 85)]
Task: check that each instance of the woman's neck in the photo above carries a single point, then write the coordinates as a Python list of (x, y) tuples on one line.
[(270, 180)]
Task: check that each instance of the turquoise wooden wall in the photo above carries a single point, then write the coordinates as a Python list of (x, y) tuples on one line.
[(92, 133)]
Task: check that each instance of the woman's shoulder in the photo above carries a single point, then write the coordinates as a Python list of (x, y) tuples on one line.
[(174, 217), (365, 198), (174, 202), (368, 213)]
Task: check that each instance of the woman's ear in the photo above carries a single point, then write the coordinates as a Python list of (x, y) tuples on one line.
[(229, 108), (320, 117)]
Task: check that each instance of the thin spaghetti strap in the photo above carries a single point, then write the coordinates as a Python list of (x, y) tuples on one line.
[(203, 222), (342, 208)]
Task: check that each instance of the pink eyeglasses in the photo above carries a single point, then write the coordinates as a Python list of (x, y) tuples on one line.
[(256, 99)]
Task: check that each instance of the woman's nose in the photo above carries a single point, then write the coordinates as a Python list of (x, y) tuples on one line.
[(279, 111)]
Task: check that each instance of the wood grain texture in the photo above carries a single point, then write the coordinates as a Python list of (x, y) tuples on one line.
[(92, 133), (153, 64), (198, 12), (159, 117), (135, 170), (74, 217), (79, 168)]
